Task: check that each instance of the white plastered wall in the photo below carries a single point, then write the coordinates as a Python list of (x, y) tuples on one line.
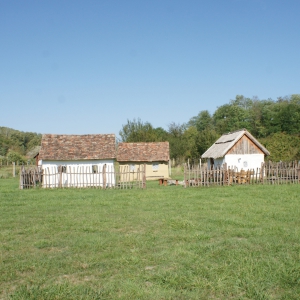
[(244, 161), (78, 173), (239, 161)]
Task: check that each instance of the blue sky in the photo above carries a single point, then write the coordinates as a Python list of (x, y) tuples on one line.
[(79, 67)]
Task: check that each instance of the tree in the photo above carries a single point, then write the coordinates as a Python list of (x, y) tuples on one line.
[(288, 116), (205, 139), (176, 140), (15, 157), (230, 117), (202, 121), (190, 138), (137, 131), (282, 146)]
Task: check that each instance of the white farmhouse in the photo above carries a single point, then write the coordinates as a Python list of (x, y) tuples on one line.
[(237, 149), (77, 160)]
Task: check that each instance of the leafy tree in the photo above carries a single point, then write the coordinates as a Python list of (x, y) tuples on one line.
[(242, 102), (190, 139), (17, 141), (3, 149), (277, 123), (137, 131), (35, 141), (15, 157), (161, 134), (202, 121), (256, 125), (230, 117), (205, 139), (288, 117), (282, 146), (176, 140)]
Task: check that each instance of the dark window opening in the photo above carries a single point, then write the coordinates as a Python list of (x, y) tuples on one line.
[(62, 169)]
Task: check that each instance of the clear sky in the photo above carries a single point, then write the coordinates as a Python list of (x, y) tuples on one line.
[(79, 67)]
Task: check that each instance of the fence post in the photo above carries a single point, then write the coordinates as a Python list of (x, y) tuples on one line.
[(21, 178), (144, 177), (14, 169), (262, 173), (60, 177), (184, 175), (104, 176)]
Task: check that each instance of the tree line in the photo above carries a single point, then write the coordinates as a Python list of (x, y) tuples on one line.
[(15, 144), (275, 123)]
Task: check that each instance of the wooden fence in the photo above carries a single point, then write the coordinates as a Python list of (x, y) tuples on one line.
[(82, 177), (10, 169), (269, 173)]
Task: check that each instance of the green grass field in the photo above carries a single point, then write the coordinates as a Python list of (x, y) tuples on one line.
[(235, 242)]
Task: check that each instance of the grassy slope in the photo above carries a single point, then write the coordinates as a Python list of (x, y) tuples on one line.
[(237, 242)]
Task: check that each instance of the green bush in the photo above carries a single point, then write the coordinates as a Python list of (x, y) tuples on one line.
[(15, 157), (282, 146)]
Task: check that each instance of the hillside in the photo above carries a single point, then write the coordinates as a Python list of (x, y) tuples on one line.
[(17, 144)]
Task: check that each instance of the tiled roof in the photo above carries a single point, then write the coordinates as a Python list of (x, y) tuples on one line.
[(146, 152), (226, 142), (78, 147)]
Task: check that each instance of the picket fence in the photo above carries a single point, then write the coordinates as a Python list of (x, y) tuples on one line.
[(82, 177), (269, 173)]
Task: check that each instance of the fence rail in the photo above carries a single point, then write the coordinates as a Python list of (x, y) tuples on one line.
[(269, 173), (82, 177)]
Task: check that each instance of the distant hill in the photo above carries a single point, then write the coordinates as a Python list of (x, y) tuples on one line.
[(23, 143)]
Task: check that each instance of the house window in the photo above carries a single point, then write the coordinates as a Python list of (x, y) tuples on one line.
[(62, 169), (155, 167), (94, 169), (132, 167)]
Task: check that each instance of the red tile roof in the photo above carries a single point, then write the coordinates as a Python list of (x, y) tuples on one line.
[(146, 152), (78, 147)]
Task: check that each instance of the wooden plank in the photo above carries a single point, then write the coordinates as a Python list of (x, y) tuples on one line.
[(104, 176), (144, 177)]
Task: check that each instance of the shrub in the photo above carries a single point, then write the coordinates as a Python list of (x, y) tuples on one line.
[(15, 157)]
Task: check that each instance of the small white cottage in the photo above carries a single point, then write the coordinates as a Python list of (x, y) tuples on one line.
[(77, 160), (237, 149)]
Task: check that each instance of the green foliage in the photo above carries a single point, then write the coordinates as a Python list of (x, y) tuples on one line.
[(282, 146), (3, 149), (190, 137), (230, 117), (202, 121), (177, 140), (17, 141), (137, 131), (205, 139), (15, 157), (265, 119)]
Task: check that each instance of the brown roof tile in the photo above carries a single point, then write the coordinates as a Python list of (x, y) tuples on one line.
[(77, 147), (143, 152)]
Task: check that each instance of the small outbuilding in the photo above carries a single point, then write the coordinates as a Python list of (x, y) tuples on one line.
[(77, 160), (237, 149), (155, 156)]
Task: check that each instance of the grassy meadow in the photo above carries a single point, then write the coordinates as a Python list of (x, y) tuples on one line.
[(235, 242)]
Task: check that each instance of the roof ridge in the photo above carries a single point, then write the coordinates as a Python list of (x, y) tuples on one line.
[(243, 129)]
